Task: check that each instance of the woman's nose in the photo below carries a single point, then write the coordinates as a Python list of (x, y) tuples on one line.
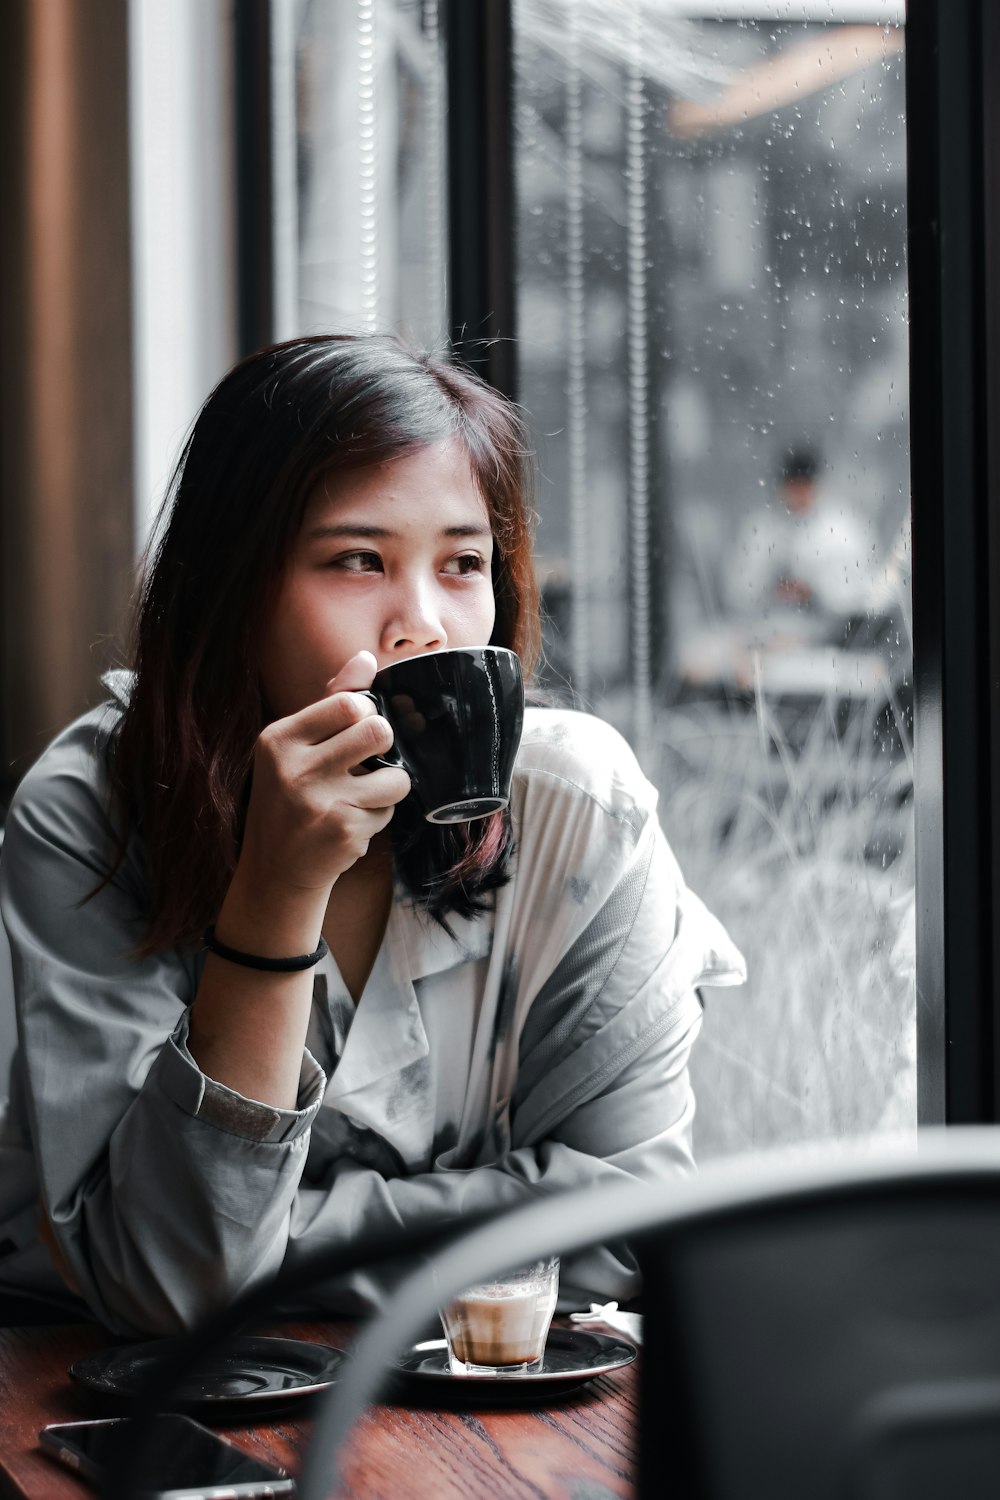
[(414, 624)]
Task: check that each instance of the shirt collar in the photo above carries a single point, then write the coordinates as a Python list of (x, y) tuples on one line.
[(382, 1082), (119, 684), (433, 949), (387, 1032), (383, 1079)]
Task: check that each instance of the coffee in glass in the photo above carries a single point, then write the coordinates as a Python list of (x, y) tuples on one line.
[(498, 1328)]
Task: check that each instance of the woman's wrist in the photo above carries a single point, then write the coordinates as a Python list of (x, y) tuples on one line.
[(294, 963), (269, 919), (247, 1025)]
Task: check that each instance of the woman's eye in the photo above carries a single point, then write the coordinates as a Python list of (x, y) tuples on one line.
[(358, 562), (468, 562)]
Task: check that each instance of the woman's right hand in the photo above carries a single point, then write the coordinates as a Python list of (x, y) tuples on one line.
[(312, 813)]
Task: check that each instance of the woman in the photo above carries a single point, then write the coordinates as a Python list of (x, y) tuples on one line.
[(504, 1010)]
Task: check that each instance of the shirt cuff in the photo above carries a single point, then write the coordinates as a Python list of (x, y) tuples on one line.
[(225, 1108)]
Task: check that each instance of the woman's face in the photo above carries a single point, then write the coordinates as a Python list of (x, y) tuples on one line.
[(393, 559)]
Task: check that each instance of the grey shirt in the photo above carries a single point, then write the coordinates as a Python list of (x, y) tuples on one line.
[(541, 1046)]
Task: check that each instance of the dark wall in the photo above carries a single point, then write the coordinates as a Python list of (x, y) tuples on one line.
[(66, 457)]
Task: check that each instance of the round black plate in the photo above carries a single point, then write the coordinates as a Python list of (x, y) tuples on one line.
[(572, 1357), (252, 1372)]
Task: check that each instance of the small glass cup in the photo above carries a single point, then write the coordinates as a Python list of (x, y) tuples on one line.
[(498, 1328)]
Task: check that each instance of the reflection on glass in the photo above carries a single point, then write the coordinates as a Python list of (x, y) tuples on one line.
[(713, 348), (370, 174)]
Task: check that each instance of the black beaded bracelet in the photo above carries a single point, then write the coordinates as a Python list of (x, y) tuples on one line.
[(256, 961)]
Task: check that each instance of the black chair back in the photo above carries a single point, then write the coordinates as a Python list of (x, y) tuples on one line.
[(838, 1343)]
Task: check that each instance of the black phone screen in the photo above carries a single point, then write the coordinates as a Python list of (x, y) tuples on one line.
[(177, 1453)]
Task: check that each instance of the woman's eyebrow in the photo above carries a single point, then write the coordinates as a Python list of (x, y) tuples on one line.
[(381, 533), (347, 528)]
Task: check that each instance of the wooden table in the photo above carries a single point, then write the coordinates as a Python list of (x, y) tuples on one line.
[(580, 1446)]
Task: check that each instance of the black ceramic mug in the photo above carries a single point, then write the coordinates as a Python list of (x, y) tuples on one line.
[(456, 716)]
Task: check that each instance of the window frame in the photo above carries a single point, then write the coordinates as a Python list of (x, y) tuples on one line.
[(953, 220)]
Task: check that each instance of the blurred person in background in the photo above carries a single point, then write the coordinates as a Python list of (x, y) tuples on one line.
[(800, 575), (808, 550)]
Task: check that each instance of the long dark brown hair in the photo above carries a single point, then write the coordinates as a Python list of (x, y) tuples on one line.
[(277, 425)]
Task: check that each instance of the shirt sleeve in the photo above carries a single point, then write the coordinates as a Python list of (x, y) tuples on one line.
[(165, 1190)]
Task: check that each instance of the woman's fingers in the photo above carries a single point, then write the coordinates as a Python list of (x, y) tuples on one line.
[(327, 717), (359, 672), (340, 755), (381, 789), (312, 799), (339, 762), (344, 702), (358, 742), (336, 735)]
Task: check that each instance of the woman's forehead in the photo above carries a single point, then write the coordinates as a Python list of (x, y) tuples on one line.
[(436, 479)]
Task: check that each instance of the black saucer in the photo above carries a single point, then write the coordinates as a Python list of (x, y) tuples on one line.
[(251, 1374), (572, 1357)]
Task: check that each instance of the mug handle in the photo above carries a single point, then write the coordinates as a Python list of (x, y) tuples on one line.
[(392, 758)]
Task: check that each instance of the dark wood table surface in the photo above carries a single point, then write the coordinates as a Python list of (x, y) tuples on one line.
[(580, 1446)]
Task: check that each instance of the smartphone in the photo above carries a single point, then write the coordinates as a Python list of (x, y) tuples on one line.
[(182, 1458)]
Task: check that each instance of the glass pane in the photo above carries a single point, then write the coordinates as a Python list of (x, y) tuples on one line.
[(369, 166), (713, 346)]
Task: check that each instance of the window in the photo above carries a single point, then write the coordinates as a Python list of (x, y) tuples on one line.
[(713, 345), (364, 202), (709, 248)]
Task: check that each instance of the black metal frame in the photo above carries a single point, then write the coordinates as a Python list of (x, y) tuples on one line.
[(481, 213), (954, 203), (989, 61), (255, 312)]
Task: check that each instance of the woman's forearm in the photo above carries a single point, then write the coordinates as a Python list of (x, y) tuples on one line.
[(309, 821), (248, 1026)]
